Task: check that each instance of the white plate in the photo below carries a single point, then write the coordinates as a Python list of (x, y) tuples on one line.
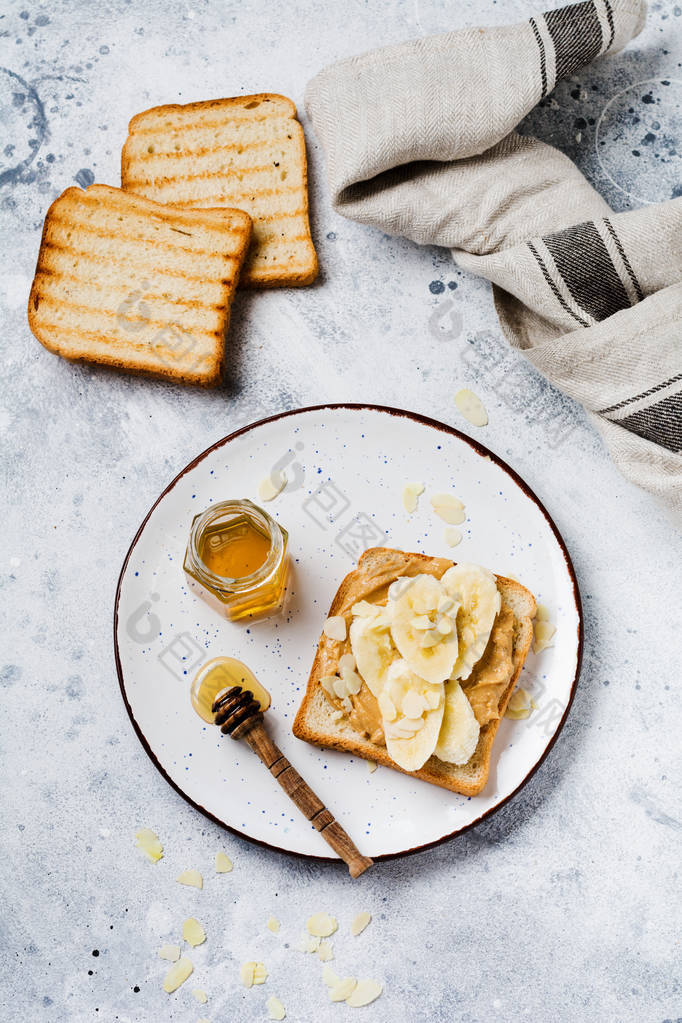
[(347, 467)]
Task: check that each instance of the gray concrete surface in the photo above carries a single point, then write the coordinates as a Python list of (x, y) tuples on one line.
[(564, 906)]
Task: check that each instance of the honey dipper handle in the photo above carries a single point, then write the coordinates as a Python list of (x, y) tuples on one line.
[(310, 805)]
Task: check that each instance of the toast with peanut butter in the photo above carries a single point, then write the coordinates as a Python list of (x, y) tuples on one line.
[(246, 152), (342, 710)]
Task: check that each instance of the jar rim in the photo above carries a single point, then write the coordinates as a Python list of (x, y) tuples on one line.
[(237, 584)]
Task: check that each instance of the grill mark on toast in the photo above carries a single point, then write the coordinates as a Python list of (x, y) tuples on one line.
[(113, 260), (208, 125), (62, 302), (124, 289), (108, 339), (144, 242), (223, 173)]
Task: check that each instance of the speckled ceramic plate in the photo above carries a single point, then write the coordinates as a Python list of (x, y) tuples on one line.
[(347, 467)]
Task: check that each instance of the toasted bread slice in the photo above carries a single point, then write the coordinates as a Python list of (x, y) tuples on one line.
[(315, 723), (129, 283), (247, 152)]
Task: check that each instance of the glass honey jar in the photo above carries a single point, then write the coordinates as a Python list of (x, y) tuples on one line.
[(236, 560)]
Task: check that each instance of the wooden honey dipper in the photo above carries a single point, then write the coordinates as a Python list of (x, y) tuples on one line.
[(239, 715)]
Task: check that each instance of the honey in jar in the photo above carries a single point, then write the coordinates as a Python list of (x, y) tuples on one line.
[(236, 560)]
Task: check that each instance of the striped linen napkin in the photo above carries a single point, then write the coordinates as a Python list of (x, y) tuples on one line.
[(420, 141)]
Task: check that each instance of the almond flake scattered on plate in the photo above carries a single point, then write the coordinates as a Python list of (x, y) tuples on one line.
[(542, 636), (360, 922), (200, 995), (321, 925), (148, 841), (272, 486), (520, 705), (192, 878), (177, 975), (371, 766), (273, 924), (452, 536), (411, 494), (449, 508), (223, 863)]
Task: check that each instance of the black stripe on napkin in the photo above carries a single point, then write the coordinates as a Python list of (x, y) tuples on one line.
[(612, 27), (626, 262), (587, 269), (543, 56), (660, 423), (555, 291), (638, 397), (577, 36)]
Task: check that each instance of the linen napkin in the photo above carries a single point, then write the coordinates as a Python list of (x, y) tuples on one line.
[(419, 141)]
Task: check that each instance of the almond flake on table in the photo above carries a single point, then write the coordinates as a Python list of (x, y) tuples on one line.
[(365, 991), (321, 925), (360, 922), (170, 952), (200, 995), (471, 407), (329, 977), (325, 951), (273, 924), (192, 878), (252, 973), (148, 842), (193, 933), (275, 1008), (223, 863), (343, 990), (177, 975)]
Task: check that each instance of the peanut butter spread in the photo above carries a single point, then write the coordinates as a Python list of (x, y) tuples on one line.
[(484, 687)]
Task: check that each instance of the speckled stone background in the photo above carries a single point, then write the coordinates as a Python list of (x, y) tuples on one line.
[(564, 906)]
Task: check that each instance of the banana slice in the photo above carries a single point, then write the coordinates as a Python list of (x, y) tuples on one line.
[(475, 589), (372, 648), (414, 604), (459, 730), (410, 741)]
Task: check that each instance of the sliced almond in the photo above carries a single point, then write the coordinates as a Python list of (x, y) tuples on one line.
[(432, 698), (387, 706), (190, 877), (420, 622), (365, 991), (444, 625), (200, 995), (177, 975), (519, 706), (542, 613), (335, 628), (448, 508), (346, 661), (329, 977), (327, 682), (543, 635), (430, 638), (341, 991), (193, 933), (411, 495), (246, 972), (471, 407), (360, 922), (453, 536), (352, 680), (413, 704), (223, 863), (340, 688), (321, 925), (372, 765), (275, 1008), (337, 715), (273, 924), (148, 841), (272, 486), (260, 974), (325, 951), (308, 943), (170, 952), (363, 609), (347, 705)]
